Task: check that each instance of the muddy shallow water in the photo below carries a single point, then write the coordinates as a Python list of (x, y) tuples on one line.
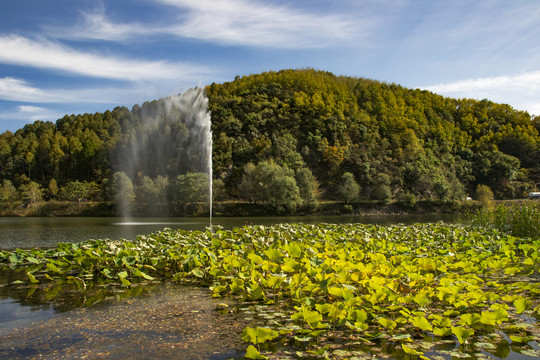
[(174, 322)]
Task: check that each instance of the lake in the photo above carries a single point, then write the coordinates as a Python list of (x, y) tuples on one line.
[(46, 232)]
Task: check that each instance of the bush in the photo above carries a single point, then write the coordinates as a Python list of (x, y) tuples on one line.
[(407, 200), (519, 220), (484, 195)]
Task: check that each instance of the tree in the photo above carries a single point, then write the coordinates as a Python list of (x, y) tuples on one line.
[(8, 192), (151, 196), (192, 188), (348, 189), (32, 193), (272, 185), (124, 194), (52, 188), (381, 190), (308, 187), (493, 167), (219, 192), (248, 188), (147, 192)]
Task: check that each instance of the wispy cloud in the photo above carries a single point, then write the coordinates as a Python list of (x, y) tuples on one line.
[(232, 22), (30, 113), (259, 23), (522, 91), (19, 90), (44, 54)]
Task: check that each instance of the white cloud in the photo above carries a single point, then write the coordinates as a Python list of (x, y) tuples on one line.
[(97, 26), (19, 90), (31, 109), (30, 113), (257, 23), (44, 54), (232, 22), (521, 91)]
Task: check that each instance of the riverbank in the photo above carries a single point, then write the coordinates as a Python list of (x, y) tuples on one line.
[(237, 208)]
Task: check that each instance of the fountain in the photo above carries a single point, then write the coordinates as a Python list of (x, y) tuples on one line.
[(165, 139)]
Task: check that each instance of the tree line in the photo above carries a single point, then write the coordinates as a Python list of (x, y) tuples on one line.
[(287, 140)]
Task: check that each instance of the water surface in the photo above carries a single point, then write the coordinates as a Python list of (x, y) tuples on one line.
[(47, 232)]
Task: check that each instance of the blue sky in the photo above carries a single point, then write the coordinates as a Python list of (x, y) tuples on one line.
[(62, 57)]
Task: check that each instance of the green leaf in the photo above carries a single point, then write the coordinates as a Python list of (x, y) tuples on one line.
[(256, 259), (335, 291), (32, 260), (470, 319), (402, 337), (421, 323), (442, 331), (53, 268), (258, 335), (462, 333), (494, 317), (197, 272), (521, 305), (255, 292), (422, 298), (139, 273), (410, 351), (313, 318), (388, 323), (32, 278), (253, 353), (521, 339), (122, 276), (107, 273), (295, 250)]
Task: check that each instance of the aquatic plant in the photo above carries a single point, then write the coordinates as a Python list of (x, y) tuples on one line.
[(332, 288)]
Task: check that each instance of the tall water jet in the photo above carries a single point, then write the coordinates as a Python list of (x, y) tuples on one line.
[(165, 142)]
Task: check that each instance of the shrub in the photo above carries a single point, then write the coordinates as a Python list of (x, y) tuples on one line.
[(484, 195)]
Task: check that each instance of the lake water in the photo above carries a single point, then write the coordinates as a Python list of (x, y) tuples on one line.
[(46, 232)]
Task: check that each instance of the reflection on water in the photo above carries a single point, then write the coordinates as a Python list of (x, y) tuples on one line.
[(46, 232)]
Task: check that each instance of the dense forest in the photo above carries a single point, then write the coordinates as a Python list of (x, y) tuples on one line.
[(287, 140)]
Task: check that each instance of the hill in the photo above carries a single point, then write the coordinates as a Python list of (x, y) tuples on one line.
[(287, 140)]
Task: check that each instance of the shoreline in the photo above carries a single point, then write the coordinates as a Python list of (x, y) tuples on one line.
[(239, 209)]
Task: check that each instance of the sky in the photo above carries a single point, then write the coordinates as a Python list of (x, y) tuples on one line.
[(61, 57)]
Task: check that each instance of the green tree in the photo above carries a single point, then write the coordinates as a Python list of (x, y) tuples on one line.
[(76, 191), (8, 192), (147, 192), (53, 188), (249, 187), (32, 193), (381, 190), (308, 187), (192, 188), (348, 189), (124, 195), (219, 192), (272, 185)]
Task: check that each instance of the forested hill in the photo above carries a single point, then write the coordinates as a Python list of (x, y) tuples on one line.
[(309, 132)]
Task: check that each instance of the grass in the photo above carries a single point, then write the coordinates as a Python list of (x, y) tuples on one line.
[(521, 220)]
